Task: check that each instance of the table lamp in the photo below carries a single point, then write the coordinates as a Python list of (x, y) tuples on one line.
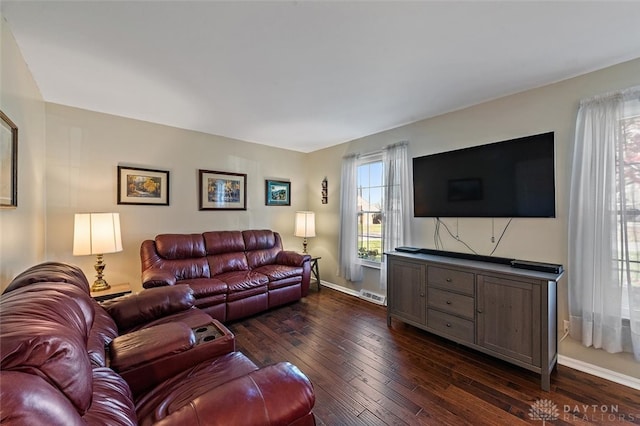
[(97, 233), (305, 227)]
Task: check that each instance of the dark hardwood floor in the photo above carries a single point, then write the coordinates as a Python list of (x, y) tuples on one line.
[(365, 373)]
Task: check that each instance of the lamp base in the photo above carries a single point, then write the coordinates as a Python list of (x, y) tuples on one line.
[(100, 284), (304, 246)]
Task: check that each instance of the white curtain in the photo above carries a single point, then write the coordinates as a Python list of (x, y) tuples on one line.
[(348, 265), (599, 267), (397, 199)]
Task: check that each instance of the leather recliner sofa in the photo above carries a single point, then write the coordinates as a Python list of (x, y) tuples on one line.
[(67, 360), (234, 274)]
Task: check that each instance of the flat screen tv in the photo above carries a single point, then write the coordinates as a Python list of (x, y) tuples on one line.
[(513, 178)]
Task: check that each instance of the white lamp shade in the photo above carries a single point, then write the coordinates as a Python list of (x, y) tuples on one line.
[(305, 224), (96, 233)]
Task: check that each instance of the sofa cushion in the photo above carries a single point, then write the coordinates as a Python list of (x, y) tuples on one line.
[(104, 330), (50, 272), (259, 239), (280, 272), (243, 280), (227, 262), (180, 246), (44, 333), (173, 394), (112, 401), (203, 287), (31, 400), (218, 242)]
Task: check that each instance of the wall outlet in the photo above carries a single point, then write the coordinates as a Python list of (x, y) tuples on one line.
[(565, 327)]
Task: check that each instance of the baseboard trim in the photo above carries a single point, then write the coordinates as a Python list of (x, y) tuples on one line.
[(340, 288), (603, 373)]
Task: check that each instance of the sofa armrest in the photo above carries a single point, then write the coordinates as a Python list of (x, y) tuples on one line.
[(155, 277), (147, 375), (278, 394), (292, 258), (149, 344), (149, 304)]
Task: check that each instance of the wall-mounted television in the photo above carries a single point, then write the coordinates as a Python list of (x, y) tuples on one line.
[(513, 178)]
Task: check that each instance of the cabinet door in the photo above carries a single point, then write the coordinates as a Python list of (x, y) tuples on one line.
[(406, 290), (508, 318)]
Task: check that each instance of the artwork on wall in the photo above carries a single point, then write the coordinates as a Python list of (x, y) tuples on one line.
[(277, 193), (143, 186), (325, 191), (222, 190), (8, 162)]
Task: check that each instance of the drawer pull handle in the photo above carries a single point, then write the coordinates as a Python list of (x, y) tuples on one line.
[(448, 302), (479, 311), (448, 324), (421, 294), (448, 280)]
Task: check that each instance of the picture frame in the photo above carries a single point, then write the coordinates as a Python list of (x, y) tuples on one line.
[(277, 193), (143, 186), (8, 163), (222, 190)]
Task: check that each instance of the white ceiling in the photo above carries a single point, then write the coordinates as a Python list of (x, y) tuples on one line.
[(306, 75)]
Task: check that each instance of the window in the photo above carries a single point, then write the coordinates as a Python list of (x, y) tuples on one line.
[(370, 190), (628, 200)]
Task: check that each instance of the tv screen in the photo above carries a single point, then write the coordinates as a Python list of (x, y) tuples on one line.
[(514, 178)]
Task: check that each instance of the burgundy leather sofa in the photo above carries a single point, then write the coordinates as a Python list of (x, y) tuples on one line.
[(150, 358), (234, 274)]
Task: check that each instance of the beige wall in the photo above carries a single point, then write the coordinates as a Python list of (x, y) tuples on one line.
[(22, 230), (84, 149)]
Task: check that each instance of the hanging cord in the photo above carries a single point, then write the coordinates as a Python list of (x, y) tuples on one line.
[(455, 237), (501, 235)]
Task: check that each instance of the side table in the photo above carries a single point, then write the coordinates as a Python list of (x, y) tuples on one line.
[(315, 270), (112, 292)]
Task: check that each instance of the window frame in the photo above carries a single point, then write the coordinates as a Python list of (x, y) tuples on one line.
[(363, 161), (634, 114)]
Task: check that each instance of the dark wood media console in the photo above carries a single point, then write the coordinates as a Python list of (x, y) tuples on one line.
[(505, 312)]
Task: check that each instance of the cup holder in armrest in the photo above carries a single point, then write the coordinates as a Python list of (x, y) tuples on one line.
[(207, 333)]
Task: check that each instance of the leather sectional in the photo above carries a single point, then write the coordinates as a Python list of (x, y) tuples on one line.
[(149, 358), (234, 274)]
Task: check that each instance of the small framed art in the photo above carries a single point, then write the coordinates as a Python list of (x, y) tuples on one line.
[(143, 186), (277, 193), (8, 163), (222, 190)]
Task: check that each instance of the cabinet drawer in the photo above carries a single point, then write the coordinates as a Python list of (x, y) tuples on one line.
[(450, 279), (456, 327), (452, 303)]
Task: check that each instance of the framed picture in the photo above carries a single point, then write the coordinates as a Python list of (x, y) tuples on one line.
[(222, 190), (277, 193), (143, 186), (8, 163)]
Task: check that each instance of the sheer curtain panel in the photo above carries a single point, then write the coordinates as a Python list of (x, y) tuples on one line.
[(348, 265), (397, 201), (604, 258)]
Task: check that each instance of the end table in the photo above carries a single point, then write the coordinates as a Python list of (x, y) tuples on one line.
[(112, 292), (315, 270)]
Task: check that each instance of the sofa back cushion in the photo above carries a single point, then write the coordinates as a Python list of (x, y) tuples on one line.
[(180, 246), (50, 272), (225, 250), (262, 246), (44, 333)]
